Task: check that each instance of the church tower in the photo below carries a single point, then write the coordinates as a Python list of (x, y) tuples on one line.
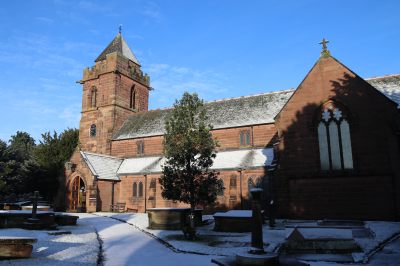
[(114, 88)]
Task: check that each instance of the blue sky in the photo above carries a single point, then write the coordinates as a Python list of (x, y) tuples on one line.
[(219, 49)]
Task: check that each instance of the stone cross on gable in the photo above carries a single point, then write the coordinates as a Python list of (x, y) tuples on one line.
[(325, 51)]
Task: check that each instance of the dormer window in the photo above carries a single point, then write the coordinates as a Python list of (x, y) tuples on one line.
[(334, 140), (93, 97)]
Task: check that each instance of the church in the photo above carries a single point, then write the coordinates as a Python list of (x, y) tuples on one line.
[(328, 149)]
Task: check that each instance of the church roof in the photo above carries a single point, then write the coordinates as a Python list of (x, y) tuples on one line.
[(118, 45), (389, 85), (109, 168), (234, 112), (102, 166)]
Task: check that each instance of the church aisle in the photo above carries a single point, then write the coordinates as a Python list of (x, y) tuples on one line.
[(125, 245)]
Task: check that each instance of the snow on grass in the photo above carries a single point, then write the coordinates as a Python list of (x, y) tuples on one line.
[(224, 243), (78, 248), (209, 242)]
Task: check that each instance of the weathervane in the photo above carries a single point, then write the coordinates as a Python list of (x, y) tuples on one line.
[(325, 51), (120, 28)]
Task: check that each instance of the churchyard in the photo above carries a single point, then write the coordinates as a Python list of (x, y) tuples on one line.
[(124, 238)]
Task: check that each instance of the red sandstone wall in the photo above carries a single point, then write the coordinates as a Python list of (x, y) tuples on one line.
[(367, 192), (154, 199), (262, 136)]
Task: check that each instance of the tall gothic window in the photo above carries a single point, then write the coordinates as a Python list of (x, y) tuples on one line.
[(93, 96), (232, 181), (245, 138), (92, 131), (134, 192), (140, 194), (133, 98), (334, 140)]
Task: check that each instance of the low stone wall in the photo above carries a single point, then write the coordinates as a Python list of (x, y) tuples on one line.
[(171, 218), (11, 219), (233, 221), (16, 247)]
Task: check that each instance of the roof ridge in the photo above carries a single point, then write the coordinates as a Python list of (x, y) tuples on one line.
[(103, 155), (251, 95), (383, 77)]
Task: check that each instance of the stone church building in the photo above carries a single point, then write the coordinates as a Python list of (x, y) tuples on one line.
[(327, 149)]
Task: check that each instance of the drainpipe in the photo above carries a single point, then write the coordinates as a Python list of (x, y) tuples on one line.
[(112, 194), (145, 193)]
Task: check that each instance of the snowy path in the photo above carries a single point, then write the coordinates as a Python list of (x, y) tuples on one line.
[(123, 244)]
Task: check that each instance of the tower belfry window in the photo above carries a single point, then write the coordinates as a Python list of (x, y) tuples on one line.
[(93, 97), (334, 140), (133, 98), (92, 131)]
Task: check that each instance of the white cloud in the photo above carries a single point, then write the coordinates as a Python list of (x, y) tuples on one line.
[(45, 20)]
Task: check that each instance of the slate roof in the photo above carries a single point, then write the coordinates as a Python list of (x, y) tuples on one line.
[(109, 168), (234, 159), (234, 112), (102, 166), (118, 45), (241, 111), (388, 85)]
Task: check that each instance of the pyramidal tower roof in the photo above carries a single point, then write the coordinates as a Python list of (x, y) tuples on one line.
[(118, 45)]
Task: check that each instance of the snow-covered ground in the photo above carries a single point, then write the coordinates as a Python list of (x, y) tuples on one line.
[(123, 244), (127, 241), (78, 248), (225, 244)]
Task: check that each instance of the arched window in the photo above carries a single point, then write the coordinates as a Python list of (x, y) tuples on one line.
[(334, 140), (232, 181), (132, 102), (153, 183), (93, 130), (140, 194), (134, 192), (221, 192), (93, 96)]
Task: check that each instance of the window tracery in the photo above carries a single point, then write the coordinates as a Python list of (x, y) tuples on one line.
[(334, 140)]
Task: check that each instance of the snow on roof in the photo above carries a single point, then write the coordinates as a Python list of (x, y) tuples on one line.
[(243, 159), (234, 112), (389, 85), (108, 167), (141, 165), (102, 166)]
